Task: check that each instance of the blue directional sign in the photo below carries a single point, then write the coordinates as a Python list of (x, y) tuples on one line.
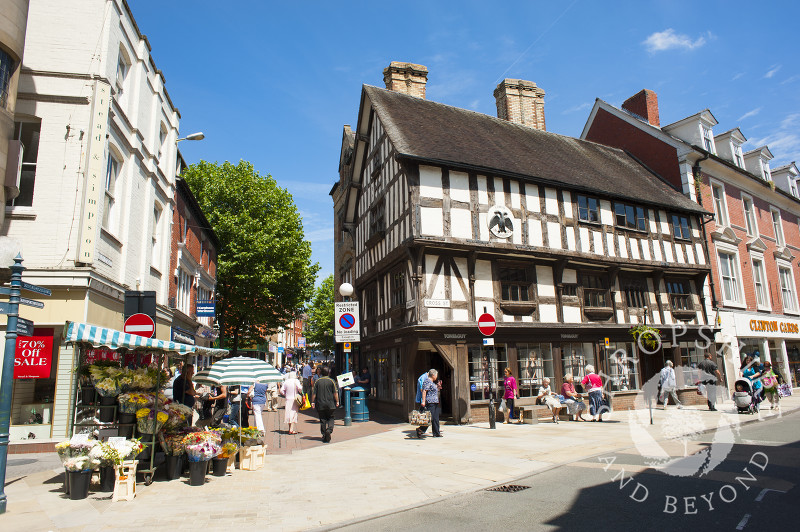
[(205, 308), (5, 307), (38, 289), (31, 302), (24, 327)]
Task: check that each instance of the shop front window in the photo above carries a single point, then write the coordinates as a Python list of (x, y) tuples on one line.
[(534, 362), (34, 385), (793, 350), (575, 357), (622, 367), (691, 356), (776, 357), (486, 367)]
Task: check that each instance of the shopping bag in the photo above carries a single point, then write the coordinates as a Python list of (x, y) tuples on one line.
[(422, 419), (503, 406), (306, 403), (784, 390), (701, 389)]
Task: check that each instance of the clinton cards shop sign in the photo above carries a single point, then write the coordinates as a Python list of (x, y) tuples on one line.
[(34, 355)]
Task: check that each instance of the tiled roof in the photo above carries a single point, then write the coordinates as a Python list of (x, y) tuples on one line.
[(442, 134)]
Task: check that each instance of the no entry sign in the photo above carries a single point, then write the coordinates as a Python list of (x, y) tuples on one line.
[(486, 324), (141, 325)]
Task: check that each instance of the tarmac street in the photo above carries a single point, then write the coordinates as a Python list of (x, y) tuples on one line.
[(389, 470)]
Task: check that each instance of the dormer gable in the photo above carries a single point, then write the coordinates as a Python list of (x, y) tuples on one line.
[(696, 130), (729, 146), (757, 163), (785, 178)]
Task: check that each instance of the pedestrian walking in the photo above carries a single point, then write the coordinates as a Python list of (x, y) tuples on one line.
[(572, 399), (307, 373), (668, 383), (430, 400), (258, 397), (511, 392), (272, 397), (325, 398), (595, 384), (290, 389), (547, 398), (420, 383), (709, 376), (769, 381)]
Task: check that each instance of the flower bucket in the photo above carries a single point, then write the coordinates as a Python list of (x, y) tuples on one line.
[(197, 473), (107, 478), (79, 484), (174, 466), (219, 466), (87, 395), (106, 414), (126, 419), (66, 481)]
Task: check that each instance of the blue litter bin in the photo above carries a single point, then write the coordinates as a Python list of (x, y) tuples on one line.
[(358, 404)]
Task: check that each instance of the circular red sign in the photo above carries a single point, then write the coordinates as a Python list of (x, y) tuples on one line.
[(486, 324), (141, 325)]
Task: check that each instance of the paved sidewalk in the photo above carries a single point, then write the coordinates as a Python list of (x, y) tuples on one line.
[(347, 480)]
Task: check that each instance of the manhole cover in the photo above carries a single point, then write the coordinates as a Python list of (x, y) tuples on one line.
[(509, 488)]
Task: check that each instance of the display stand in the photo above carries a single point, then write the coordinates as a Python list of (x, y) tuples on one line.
[(125, 485), (252, 458)]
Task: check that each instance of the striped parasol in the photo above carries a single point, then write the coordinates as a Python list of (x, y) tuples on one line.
[(241, 370), (201, 377)]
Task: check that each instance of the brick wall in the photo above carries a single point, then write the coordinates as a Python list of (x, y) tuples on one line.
[(645, 104), (659, 156)]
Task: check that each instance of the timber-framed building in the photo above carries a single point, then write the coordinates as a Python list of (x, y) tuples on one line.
[(443, 214)]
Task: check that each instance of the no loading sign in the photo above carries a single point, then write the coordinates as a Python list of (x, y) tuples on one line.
[(346, 322)]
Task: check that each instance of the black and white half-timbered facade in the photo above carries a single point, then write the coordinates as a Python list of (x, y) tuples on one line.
[(443, 214)]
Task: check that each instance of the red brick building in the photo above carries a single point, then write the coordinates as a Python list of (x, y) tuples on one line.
[(193, 269), (753, 240)]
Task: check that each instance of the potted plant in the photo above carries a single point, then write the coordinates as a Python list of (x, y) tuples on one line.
[(64, 454), (175, 450), (219, 464), (108, 458), (149, 421), (79, 469), (200, 448)]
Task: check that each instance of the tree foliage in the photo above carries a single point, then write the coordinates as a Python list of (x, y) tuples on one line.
[(320, 316), (264, 269)]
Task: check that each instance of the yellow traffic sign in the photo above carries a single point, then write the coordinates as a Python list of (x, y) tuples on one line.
[(347, 346), (607, 344)]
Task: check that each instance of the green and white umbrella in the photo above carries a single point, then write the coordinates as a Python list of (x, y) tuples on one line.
[(242, 370), (201, 377)]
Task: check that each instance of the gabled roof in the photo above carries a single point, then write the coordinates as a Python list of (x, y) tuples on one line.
[(736, 133), (763, 151), (704, 115), (441, 134)]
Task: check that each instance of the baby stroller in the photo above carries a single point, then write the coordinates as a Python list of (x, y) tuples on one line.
[(746, 401)]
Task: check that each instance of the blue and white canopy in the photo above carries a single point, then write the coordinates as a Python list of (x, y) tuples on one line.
[(102, 337), (242, 370)]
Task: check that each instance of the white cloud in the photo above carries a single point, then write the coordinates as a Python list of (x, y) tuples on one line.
[(772, 71), (790, 79), (784, 143), (668, 39), (737, 76), (579, 107), (748, 114)]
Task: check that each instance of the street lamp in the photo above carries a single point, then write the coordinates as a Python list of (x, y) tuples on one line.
[(194, 136), (346, 290)]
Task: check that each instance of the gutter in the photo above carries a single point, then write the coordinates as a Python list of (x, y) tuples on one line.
[(696, 173)]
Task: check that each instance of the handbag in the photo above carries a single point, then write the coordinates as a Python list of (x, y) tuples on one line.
[(299, 400), (418, 418), (701, 389), (503, 406), (306, 403), (784, 390)]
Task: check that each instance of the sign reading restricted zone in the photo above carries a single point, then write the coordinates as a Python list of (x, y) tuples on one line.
[(346, 322)]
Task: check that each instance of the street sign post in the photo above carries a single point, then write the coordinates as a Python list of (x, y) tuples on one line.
[(141, 325), (38, 289), (347, 326), (31, 302), (487, 326)]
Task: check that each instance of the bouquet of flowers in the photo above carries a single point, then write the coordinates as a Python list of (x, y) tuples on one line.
[(149, 421), (228, 449), (107, 387), (64, 451), (82, 448), (103, 370), (80, 463), (147, 379), (249, 435), (105, 454), (127, 449), (178, 414), (203, 451), (173, 444), (130, 402)]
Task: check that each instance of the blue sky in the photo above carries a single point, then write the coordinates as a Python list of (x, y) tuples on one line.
[(273, 83)]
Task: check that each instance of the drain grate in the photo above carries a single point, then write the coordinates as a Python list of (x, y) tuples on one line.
[(509, 488)]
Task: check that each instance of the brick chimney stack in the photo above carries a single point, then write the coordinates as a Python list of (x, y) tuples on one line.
[(521, 102), (407, 78), (644, 104)]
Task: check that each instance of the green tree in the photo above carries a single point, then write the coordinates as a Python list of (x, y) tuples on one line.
[(320, 316), (264, 269)]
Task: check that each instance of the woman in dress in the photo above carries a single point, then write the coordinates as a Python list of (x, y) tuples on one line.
[(548, 399), (511, 393), (575, 406), (595, 384), (751, 370), (291, 387)]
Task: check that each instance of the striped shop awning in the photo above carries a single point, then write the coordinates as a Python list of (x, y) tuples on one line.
[(83, 333), (243, 370)]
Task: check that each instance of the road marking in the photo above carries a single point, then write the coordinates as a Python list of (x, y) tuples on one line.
[(764, 492), (743, 522)]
